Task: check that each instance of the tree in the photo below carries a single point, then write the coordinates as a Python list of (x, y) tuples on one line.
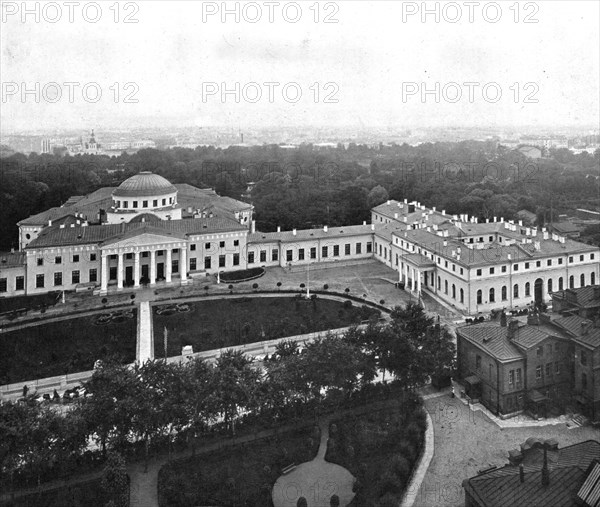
[(114, 480), (377, 196), (235, 384)]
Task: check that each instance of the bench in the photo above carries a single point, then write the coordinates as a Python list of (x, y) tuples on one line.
[(288, 469)]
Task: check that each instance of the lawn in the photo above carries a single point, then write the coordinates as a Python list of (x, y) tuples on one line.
[(80, 495), (240, 476), (380, 449), (214, 324), (68, 346)]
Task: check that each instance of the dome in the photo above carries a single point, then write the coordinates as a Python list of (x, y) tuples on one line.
[(144, 184)]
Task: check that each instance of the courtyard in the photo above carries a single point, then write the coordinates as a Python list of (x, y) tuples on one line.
[(467, 441)]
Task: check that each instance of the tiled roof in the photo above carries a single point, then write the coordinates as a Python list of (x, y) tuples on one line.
[(88, 206), (589, 492), (530, 336), (307, 234), (568, 469), (12, 259), (491, 338), (573, 325), (96, 234)]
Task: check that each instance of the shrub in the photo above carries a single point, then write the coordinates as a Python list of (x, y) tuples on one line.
[(104, 301), (407, 449), (401, 468), (279, 285), (382, 301), (302, 286), (302, 502), (346, 290), (335, 501), (347, 304), (388, 500), (389, 483), (255, 286), (325, 287)]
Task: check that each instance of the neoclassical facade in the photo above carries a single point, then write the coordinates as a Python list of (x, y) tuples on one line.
[(148, 231)]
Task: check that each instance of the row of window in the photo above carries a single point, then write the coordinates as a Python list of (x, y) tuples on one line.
[(58, 259), (19, 284), (40, 280), (312, 253), (528, 265), (516, 290), (539, 370), (134, 204)]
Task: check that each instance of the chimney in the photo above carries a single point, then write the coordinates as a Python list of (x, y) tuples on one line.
[(443, 212), (279, 228), (372, 227), (545, 471), (364, 222), (396, 216), (49, 223), (521, 474), (294, 232), (495, 219), (513, 325), (389, 202), (325, 229), (545, 235), (253, 227), (520, 223), (433, 209)]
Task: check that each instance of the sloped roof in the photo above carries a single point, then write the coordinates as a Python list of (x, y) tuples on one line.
[(12, 259), (96, 234), (572, 324), (491, 338), (308, 234), (531, 336), (568, 472)]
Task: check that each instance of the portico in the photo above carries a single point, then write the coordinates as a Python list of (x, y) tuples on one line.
[(144, 257), (415, 270)]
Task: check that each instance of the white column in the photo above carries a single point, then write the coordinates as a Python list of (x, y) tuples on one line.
[(183, 264), (120, 270), (136, 269), (418, 281), (168, 266), (405, 275), (152, 267), (104, 274)]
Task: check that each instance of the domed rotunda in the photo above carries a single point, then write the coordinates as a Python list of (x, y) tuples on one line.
[(144, 193)]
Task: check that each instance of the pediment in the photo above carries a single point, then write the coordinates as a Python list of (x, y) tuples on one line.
[(141, 240)]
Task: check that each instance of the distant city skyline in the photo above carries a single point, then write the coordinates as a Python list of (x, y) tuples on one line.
[(375, 62)]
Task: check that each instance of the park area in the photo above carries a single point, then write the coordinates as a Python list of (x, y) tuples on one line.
[(218, 323), (67, 345)]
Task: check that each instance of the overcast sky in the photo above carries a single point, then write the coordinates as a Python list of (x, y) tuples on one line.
[(350, 73)]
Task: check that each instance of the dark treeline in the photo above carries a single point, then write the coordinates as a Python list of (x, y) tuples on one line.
[(313, 186)]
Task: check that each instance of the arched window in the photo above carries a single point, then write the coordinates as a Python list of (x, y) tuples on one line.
[(453, 291), (492, 295), (445, 286), (549, 285), (571, 282), (479, 297), (593, 278), (462, 296), (504, 293), (516, 290), (560, 283), (527, 289), (582, 280)]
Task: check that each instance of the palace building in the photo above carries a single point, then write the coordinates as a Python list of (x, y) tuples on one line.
[(149, 231)]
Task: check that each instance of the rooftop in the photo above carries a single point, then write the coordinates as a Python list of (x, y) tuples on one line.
[(569, 468), (144, 184)]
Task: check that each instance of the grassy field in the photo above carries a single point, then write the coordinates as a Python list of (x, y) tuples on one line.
[(68, 346), (221, 323), (243, 475)]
